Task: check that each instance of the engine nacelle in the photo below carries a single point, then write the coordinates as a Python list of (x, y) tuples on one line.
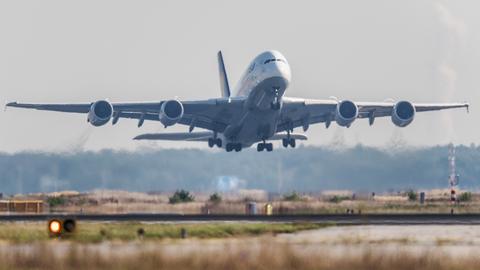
[(100, 113), (403, 113), (346, 113), (171, 112)]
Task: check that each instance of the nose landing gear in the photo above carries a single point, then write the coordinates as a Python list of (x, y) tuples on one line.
[(276, 105)]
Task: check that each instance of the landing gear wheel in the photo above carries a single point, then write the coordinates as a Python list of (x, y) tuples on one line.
[(269, 147), (238, 147), (292, 143), (288, 141), (233, 146), (260, 147), (265, 146), (218, 143), (211, 142)]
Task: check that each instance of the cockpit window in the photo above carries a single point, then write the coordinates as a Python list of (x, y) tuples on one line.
[(252, 67), (273, 60)]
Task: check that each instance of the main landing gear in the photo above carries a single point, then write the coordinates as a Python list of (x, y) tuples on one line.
[(233, 146), (264, 146), (288, 141), (214, 141)]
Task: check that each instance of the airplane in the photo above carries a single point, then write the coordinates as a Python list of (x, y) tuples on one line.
[(258, 112)]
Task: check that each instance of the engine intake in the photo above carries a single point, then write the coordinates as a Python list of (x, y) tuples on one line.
[(346, 113), (403, 113), (171, 112), (100, 113)]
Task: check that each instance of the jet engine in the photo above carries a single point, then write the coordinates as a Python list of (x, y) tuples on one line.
[(171, 112), (100, 113), (346, 113), (403, 113)]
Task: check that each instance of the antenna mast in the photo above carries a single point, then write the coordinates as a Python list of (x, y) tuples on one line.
[(453, 178)]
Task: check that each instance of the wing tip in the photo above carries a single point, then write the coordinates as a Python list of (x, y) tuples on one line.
[(139, 137), (145, 136), (9, 104)]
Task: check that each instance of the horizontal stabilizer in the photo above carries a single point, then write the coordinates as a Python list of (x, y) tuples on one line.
[(177, 136), (295, 136), (204, 136)]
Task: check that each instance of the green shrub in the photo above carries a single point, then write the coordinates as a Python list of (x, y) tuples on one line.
[(56, 201), (292, 197), (465, 197), (337, 199), (181, 196), (215, 198), (412, 195)]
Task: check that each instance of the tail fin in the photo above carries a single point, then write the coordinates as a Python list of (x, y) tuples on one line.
[(224, 87)]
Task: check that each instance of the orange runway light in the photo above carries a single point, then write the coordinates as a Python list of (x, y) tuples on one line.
[(55, 226)]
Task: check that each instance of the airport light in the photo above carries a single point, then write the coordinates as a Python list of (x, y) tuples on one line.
[(69, 225), (61, 227), (55, 226)]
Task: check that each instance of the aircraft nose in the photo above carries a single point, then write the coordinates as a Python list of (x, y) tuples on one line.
[(284, 70)]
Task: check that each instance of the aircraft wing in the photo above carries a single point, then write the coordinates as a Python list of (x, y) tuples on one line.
[(211, 114), (298, 112)]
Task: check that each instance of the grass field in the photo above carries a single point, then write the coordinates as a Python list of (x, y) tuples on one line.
[(230, 246), (268, 256), (90, 232)]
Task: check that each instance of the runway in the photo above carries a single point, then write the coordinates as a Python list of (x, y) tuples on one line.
[(338, 219)]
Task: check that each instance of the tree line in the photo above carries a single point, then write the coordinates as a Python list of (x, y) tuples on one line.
[(302, 169)]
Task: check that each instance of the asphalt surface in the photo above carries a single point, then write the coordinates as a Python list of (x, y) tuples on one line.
[(339, 219)]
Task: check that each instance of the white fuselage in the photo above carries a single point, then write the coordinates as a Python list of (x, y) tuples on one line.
[(262, 85)]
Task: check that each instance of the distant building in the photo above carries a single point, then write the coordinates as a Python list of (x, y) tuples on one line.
[(22, 206)]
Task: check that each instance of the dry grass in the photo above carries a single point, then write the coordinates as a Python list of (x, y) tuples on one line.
[(279, 207), (389, 207), (161, 248), (267, 256), (112, 201)]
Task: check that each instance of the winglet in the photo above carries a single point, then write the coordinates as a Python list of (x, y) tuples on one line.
[(224, 86), (10, 104), (139, 137), (467, 105)]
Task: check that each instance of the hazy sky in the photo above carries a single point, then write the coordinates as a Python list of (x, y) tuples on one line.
[(371, 50)]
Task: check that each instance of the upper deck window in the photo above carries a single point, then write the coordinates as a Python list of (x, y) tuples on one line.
[(252, 67), (273, 60)]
